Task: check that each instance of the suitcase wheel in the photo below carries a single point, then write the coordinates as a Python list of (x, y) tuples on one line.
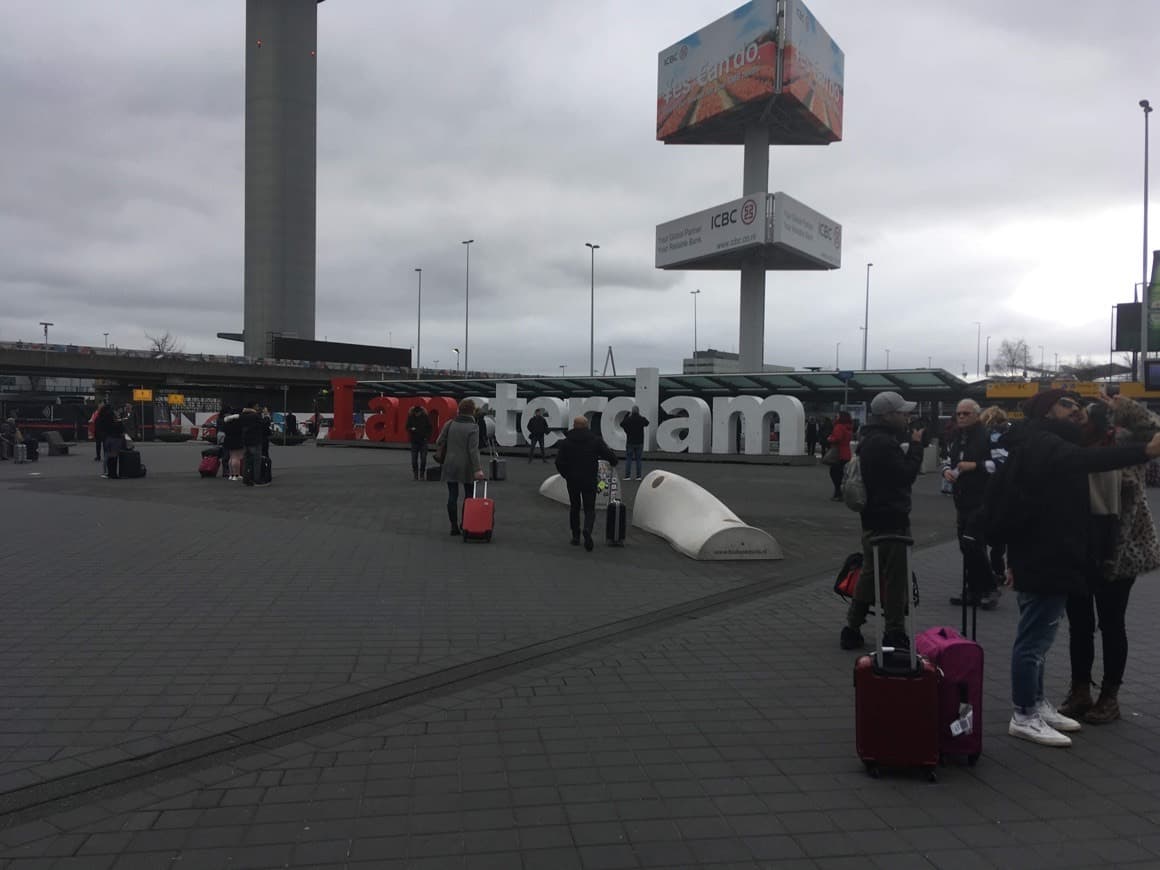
[(487, 536), (972, 759), (931, 774), (872, 769)]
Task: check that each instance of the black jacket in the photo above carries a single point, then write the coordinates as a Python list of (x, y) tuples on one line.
[(970, 445), (634, 426), (252, 427), (537, 426), (231, 427), (888, 473), (1051, 556), (419, 427), (577, 458)]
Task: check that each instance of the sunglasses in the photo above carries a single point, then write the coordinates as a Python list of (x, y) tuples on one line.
[(1068, 403)]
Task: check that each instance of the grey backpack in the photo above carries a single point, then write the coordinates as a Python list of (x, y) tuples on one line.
[(853, 487)]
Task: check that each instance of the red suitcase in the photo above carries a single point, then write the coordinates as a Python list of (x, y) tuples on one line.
[(478, 515), (896, 698)]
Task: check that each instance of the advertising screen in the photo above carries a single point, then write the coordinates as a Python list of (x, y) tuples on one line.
[(813, 72), (718, 70), (729, 227), (810, 233)]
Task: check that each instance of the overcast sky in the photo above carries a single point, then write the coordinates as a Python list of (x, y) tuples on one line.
[(992, 169)]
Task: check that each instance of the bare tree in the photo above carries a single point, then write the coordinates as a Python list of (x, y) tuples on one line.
[(1012, 357), (164, 345)]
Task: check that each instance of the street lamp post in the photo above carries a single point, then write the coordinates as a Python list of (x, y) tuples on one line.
[(466, 300), (837, 356), (866, 318), (978, 338), (562, 368), (1040, 359), (695, 294), (1144, 318), (987, 359), (456, 356), (419, 325), (46, 324), (106, 341), (887, 357), (592, 311)]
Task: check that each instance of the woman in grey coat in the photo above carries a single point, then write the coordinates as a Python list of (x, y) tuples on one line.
[(461, 463)]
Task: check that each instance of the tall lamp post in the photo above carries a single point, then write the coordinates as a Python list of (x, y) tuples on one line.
[(1144, 318), (592, 311), (419, 326), (466, 299), (1041, 359), (106, 341), (887, 357), (866, 318), (456, 356), (46, 324), (987, 359), (978, 340), (695, 294), (838, 356)]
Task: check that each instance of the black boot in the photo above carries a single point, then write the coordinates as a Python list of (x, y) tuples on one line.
[(1107, 708), (453, 515), (1078, 700)]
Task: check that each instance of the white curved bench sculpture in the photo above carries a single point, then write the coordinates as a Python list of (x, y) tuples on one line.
[(555, 489), (695, 522)]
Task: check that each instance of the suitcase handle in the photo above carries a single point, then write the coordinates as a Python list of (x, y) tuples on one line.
[(475, 489)]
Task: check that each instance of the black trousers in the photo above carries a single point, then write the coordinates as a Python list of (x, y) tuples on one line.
[(811, 445), (536, 439), (1108, 599), (973, 546), (836, 471), (419, 457), (577, 495)]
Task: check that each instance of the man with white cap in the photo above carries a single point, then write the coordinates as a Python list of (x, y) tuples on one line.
[(888, 473)]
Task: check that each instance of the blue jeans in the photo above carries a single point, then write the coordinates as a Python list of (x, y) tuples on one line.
[(632, 451), (1039, 618)]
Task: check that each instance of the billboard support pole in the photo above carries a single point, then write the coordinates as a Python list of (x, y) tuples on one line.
[(754, 180)]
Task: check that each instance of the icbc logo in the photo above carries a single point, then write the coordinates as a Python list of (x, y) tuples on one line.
[(748, 211)]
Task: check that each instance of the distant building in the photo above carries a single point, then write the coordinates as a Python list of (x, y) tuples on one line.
[(718, 362)]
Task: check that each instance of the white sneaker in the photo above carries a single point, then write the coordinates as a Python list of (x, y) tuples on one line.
[(1033, 728), (1055, 719)]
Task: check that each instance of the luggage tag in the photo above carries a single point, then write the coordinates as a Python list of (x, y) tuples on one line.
[(965, 724)]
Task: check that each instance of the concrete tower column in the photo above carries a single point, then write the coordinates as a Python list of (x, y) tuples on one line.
[(281, 154)]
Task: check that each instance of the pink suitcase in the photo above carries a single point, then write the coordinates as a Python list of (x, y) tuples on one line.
[(960, 700), (478, 515)]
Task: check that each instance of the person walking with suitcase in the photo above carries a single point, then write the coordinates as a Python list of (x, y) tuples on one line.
[(838, 452), (577, 461), (419, 432), (1043, 510), (537, 429), (888, 474), (634, 426), (457, 449)]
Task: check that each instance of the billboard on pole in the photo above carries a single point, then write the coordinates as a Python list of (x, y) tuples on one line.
[(813, 71), (768, 62), (719, 69), (780, 230)]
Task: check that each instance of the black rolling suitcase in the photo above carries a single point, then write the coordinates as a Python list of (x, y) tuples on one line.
[(129, 464), (616, 518), (497, 468)]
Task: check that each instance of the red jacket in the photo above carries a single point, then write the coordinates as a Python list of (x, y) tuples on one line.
[(840, 438)]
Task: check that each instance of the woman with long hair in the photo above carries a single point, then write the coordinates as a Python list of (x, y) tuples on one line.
[(459, 441)]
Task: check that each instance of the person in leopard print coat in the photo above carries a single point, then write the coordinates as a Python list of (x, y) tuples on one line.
[(1133, 549)]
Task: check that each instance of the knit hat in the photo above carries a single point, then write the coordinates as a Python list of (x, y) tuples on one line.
[(1038, 405)]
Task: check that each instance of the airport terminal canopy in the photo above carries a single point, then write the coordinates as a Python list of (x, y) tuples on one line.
[(927, 385)]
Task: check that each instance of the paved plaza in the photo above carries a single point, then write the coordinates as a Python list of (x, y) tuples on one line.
[(315, 674)]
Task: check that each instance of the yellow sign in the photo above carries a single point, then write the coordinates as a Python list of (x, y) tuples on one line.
[(175, 399), (1011, 391), (1135, 390), (142, 395), (1082, 388)]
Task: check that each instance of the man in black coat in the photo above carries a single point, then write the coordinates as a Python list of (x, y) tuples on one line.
[(967, 456), (811, 436), (634, 426), (1048, 555), (537, 429), (576, 460), (888, 474)]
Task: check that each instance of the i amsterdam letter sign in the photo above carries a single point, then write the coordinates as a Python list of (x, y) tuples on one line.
[(690, 424)]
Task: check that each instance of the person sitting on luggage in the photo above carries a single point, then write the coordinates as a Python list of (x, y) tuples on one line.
[(966, 470), (1049, 555), (888, 474), (419, 431), (537, 429), (461, 463), (577, 459)]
